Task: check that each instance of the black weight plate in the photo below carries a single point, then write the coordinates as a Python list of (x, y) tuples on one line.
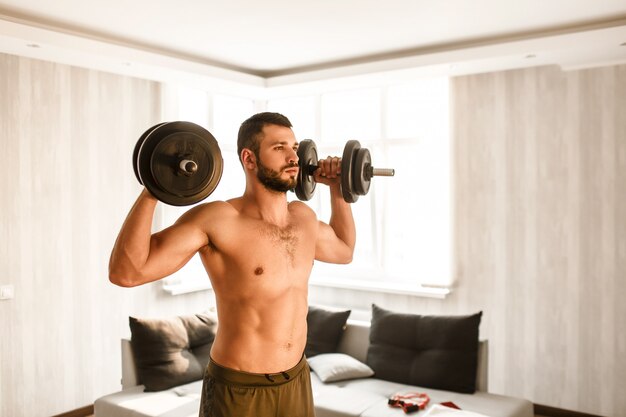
[(347, 166), (165, 164), (159, 163), (307, 156), (361, 181), (142, 138)]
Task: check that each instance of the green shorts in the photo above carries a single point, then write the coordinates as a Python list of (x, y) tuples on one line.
[(230, 393)]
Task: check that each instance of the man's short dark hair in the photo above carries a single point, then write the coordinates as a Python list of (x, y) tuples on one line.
[(250, 131)]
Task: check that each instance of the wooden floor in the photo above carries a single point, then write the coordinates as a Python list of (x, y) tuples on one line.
[(536, 415)]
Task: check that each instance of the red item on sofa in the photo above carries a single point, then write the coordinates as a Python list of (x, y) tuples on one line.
[(418, 401)]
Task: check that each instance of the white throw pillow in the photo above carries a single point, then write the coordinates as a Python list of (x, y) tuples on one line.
[(331, 367)]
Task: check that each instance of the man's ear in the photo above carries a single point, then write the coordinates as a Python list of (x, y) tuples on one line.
[(248, 158)]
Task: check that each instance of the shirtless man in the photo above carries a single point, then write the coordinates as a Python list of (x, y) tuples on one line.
[(258, 251)]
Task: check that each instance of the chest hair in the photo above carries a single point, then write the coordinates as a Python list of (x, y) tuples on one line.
[(283, 238)]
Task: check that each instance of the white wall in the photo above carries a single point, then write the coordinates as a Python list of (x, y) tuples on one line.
[(66, 181)]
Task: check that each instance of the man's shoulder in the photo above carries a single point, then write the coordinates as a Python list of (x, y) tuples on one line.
[(301, 209), (213, 208)]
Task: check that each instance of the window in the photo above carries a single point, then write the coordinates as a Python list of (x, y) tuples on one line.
[(301, 111), (403, 223), (350, 115)]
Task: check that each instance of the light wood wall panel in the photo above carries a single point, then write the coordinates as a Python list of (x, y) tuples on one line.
[(66, 181), (540, 233)]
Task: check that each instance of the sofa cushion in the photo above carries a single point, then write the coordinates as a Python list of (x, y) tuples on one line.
[(338, 367), (324, 330), (438, 352), (171, 352), (331, 400)]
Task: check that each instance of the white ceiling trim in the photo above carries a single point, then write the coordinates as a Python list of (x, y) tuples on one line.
[(570, 51), (33, 41), (593, 44)]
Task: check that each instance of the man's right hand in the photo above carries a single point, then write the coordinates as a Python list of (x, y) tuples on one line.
[(329, 171)]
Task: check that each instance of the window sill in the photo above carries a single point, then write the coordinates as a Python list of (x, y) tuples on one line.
[(342, 283), (382, 287), (185, 288)]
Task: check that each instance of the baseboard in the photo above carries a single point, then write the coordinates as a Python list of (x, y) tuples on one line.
[(544, 410), (79, 412)]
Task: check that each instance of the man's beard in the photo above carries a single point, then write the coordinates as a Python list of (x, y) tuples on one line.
[(271, 179)]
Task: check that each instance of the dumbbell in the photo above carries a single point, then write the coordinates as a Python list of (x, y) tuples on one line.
[(180, 163), (356, 171)]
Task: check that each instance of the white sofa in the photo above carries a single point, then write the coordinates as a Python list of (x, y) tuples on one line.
[(365, 397)]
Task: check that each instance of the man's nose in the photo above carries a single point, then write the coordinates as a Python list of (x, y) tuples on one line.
[(293, 156)]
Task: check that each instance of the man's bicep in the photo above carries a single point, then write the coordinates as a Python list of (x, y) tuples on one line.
[(329, 248)]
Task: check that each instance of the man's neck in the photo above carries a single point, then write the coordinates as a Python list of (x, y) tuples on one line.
[(270, 206)]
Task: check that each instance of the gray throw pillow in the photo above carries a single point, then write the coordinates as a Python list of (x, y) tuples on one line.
[(324, 331), (171, 352), (438, 352)]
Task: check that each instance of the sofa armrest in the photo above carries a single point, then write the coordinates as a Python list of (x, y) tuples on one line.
[(129, 370), (482, 371)]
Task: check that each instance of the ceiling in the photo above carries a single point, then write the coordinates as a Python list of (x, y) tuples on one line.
[(278, 39)]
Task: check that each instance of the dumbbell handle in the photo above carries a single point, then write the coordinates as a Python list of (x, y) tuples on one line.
[(309, 169), (371, 171), (382, 172)]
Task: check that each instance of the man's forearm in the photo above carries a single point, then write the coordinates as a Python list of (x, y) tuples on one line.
[(341, 219), (132, 246)]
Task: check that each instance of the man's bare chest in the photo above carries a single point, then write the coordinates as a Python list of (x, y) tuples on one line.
[(281, 239), (251, 240)]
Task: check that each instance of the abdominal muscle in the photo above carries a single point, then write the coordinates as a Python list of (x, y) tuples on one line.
[(261, 318), (261, 335)]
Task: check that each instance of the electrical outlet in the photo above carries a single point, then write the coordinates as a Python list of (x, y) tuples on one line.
[(6, 292)]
